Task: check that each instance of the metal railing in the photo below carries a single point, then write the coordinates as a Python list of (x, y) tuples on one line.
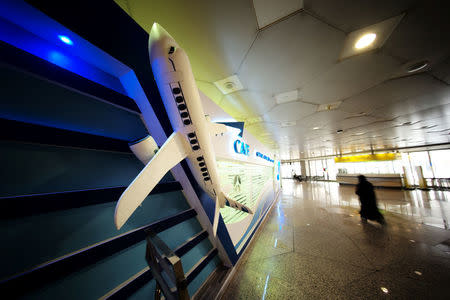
[(166, 268)]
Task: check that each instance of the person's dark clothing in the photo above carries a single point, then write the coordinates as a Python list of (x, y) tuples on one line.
[(367, 198)]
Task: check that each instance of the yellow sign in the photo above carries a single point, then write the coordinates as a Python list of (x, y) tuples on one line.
[(367, 157)]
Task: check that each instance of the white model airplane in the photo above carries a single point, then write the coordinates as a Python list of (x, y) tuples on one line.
[(192, 132)]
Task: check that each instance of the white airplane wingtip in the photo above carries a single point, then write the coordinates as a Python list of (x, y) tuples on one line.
[(171, 153), (118, 221)]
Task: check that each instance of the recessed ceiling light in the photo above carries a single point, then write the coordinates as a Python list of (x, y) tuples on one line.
[(315, 128), (366, 40), (229, 85), (329, 106)]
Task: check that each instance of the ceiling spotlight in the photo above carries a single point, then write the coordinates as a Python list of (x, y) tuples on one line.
[(365, 40), (315, 128), (65, 39)]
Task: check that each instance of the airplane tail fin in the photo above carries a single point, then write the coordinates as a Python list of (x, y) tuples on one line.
[(171, 153)]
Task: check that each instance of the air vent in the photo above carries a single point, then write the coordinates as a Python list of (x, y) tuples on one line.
[(417, 66), (425, 127), (358, 115), (229, 85), (287, 97), (358, 133), (288, 123), (329, 106)]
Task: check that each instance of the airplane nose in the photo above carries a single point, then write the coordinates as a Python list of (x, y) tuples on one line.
[(160, 41), (158, 30)]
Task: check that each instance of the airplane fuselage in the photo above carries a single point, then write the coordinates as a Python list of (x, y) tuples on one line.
[(176, 84)]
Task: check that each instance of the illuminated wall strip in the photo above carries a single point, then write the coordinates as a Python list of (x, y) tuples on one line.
[(368, 157)]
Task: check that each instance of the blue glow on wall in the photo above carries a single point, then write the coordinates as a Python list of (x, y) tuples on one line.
[(28, 29)]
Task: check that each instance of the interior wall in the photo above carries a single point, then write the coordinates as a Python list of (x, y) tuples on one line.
[(29, 241)]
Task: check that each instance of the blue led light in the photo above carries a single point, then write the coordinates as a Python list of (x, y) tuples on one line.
[(65, 40)]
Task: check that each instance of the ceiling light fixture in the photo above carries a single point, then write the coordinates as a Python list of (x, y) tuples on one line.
[(366, 40), (229, 85), (65, 40), (315, 128)]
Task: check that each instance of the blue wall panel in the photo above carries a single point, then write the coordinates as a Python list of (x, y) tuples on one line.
[(94, 282), (198, 281), (31, 169), (37, 239), (33, 100)]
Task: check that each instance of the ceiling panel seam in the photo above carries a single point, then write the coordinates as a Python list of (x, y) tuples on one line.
[(401, 60), (247, 52), (321, 19), (437, 78), (281, 19), (374, 86)]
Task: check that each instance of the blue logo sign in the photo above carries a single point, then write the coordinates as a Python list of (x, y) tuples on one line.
[(241, 148), (259, 154)]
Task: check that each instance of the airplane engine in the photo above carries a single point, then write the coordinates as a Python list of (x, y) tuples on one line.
[(144, 149)]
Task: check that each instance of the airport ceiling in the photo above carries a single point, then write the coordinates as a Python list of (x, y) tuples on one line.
[(302, 53)]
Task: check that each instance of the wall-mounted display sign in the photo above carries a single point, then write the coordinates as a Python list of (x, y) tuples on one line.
[(368, 157), (241, 148), (259, 154)]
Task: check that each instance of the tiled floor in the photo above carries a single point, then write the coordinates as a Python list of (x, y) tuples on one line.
[(313, 246)]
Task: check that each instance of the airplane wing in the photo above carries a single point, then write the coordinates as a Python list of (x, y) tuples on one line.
[(174, 150)]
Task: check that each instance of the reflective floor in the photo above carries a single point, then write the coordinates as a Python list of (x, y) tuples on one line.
[(314, 246)]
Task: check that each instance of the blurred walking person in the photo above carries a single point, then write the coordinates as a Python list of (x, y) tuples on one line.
[(368, 200)]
